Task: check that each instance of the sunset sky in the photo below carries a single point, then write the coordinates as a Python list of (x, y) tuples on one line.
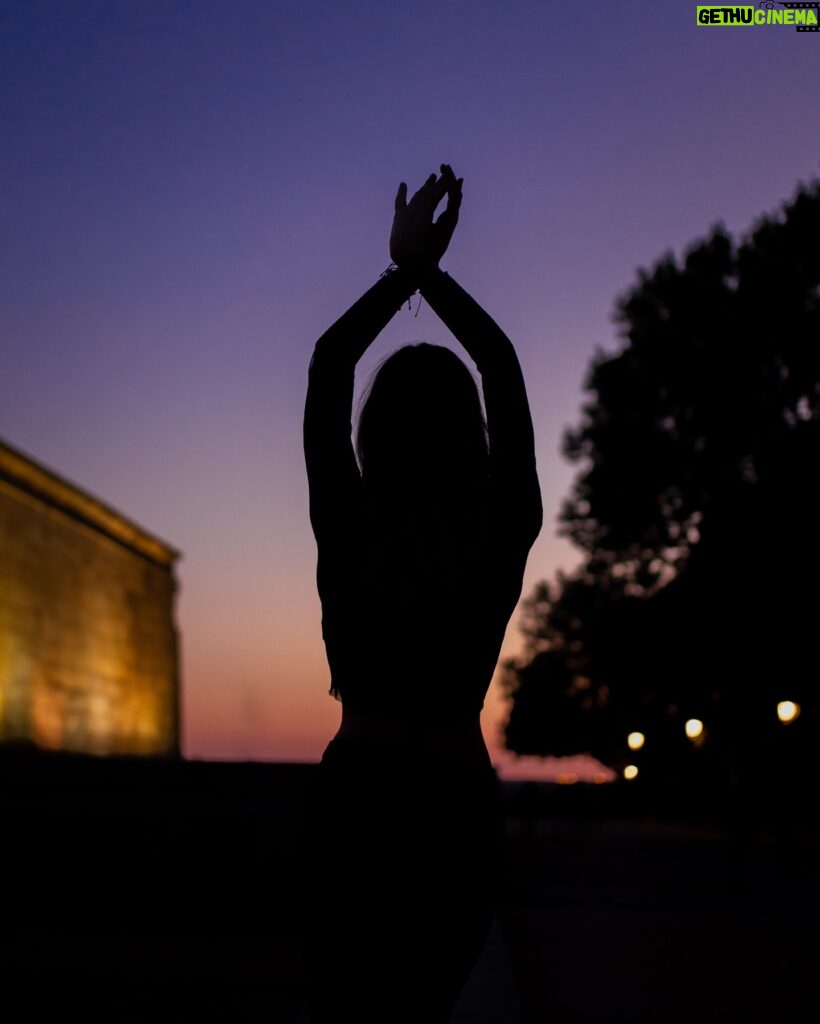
[(191, 192)]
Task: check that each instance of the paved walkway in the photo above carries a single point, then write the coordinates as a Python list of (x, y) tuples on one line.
[(643, 923), (491, 995)]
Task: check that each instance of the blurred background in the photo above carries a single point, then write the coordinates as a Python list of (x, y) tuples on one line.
[(191, 194)]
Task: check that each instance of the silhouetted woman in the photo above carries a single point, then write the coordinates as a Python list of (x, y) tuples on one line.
[(422, 545)]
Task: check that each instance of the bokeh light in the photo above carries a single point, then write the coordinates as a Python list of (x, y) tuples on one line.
[(635, 740), (787, 711), (694, 728)]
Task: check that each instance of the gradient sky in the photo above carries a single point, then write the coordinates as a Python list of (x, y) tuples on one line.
[(191, 192)]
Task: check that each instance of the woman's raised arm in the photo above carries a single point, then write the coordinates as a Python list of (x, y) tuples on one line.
[(416, 244), (333, 475), (509, 424)]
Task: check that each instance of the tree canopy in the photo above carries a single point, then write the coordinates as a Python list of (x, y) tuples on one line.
[(696, 506)]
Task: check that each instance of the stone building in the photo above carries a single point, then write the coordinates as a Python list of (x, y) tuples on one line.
[(88, 643)]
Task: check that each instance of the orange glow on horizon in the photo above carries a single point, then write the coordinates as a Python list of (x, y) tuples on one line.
[(279, 710)]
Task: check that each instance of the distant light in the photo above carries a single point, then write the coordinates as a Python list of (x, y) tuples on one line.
[(630, 772), (566, 778), (599, 778), (787, 711), (694, 728), (635, 740)]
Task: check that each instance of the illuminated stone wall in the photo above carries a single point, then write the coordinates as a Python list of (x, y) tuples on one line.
[(88, 644)]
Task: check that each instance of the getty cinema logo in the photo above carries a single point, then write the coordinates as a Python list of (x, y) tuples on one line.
[(802, 16)]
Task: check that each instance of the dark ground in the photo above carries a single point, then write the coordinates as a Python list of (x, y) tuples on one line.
[(137, 892)]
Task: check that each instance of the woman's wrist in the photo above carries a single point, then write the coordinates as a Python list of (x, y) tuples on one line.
[(406, 280), (402, 282), (416, 276), (429, 277)]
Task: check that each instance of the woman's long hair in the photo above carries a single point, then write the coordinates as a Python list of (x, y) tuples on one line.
[(421, 432)]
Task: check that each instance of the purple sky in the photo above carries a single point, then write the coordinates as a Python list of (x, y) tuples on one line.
[(192, 192)]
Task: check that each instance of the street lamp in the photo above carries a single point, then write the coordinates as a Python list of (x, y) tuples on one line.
[(694, 728), (787, 711), (635, 740)]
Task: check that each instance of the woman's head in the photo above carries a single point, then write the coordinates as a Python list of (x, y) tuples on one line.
[(421, 423)]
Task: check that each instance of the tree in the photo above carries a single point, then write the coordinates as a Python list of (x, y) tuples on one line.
[(697, 509)]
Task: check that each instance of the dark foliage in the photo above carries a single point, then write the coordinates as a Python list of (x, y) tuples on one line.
[(697, 507)]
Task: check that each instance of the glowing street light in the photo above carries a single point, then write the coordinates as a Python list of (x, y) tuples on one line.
[(694, 728), (787, 711), (630, 772), (635, 740)]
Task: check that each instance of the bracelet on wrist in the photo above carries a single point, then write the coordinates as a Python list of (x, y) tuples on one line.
[(403, 279)]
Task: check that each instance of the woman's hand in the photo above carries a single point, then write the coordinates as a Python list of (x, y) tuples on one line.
[(417, 243)]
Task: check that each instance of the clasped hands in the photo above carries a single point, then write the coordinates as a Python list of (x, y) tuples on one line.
[(417, 242)]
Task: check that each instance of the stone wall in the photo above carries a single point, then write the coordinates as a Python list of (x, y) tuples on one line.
[(88, 644)]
